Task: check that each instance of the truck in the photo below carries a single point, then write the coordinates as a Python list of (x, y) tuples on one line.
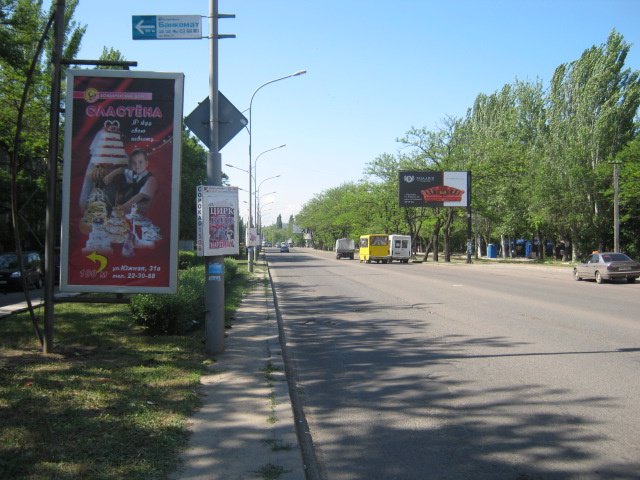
[(400, 246), (345, 248)]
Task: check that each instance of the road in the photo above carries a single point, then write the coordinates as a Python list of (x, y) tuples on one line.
[(454, 371)]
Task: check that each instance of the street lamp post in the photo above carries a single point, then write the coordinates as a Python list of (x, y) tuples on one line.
[(300, 72), (259, 213), (256, 203), (255, 171), (258, 206), (239, 188)]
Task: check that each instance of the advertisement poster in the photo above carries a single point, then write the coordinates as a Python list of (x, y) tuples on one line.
[(217, 221), (434, 189), (121, 185), (252, 238)]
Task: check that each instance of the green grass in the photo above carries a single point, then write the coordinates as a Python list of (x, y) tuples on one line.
[(109, 403)]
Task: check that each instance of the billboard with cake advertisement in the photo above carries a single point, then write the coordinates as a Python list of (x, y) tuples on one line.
[(434, 189), (121, 184)]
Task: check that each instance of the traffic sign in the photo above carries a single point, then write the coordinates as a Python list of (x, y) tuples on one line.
[(166, 27), (230, 121)]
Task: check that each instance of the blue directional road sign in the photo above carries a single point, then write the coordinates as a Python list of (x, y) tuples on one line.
[(166, 27)]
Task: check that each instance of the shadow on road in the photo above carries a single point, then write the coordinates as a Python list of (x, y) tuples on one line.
[(411, 418)]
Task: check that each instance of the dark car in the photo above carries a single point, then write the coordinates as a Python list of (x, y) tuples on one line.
[(602, 266), (10, 270), (284, 248)]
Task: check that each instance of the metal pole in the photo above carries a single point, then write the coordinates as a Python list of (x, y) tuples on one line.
[(249, 249), (255, 194), (469, 244), (54, 127), (255, 174), (299, 72), (616, 207), (214, 274)]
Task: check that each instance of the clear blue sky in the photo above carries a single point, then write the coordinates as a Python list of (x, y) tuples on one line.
[(375, 69)]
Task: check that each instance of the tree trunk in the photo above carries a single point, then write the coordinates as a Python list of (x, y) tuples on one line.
[(427, 249), (436, 247), (447, 234)]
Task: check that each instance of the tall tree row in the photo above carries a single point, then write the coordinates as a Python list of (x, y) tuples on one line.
[(25, 86), (540, 161)]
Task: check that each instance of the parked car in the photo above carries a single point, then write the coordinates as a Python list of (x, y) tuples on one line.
[(602, 266), (10, 270), (284, 248)]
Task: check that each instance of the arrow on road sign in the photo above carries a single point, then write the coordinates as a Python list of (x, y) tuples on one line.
[(141, 27), (144, 27), (166, 27)]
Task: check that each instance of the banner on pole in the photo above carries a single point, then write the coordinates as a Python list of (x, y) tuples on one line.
[(433, 189), (217, 221), (121, 184), (252, 239)]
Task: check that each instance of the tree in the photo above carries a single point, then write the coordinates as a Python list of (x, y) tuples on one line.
[(629, 157), (193, 173), (592, 105), (111, 55), (25, 81)]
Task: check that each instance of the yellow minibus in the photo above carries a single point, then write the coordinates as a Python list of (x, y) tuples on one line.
[(374, 248)]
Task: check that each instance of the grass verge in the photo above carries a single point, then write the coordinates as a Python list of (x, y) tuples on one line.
[(110, 403)]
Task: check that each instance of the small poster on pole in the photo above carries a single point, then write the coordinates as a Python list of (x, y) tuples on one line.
[(253, 240), (217, 221)]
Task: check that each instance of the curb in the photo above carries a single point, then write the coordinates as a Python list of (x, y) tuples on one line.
[(245, 427)]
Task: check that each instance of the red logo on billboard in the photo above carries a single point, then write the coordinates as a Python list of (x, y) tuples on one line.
[(442, 193)]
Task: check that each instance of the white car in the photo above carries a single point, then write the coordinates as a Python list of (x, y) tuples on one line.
[(601, 266)]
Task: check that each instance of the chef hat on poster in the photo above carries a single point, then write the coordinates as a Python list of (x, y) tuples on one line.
[(107, 146)]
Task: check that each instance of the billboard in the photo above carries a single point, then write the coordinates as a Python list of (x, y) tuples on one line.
[(434, 189), (121, 183), (217, 222)]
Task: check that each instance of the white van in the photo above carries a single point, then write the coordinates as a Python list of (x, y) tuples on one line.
[(400, 246)]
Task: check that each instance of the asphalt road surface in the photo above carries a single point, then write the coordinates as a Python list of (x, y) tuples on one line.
[(454, 371)]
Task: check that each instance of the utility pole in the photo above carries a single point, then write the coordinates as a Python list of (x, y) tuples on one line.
[(214, 274), (616, 206), (214, 278), (469, 242)]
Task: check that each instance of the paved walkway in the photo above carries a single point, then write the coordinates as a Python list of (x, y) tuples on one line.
[(20, 304), (245, 428)]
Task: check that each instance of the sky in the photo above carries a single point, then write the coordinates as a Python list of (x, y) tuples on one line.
[(375, 69)]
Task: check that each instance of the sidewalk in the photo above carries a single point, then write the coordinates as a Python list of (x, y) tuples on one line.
[(21, 305), (245, 428)]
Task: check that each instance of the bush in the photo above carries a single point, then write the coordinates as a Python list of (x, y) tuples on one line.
[(172, 314), (187, 258), (180, 313), (230, 270)]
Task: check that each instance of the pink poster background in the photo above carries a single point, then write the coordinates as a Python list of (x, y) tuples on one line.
[(137, 113)]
